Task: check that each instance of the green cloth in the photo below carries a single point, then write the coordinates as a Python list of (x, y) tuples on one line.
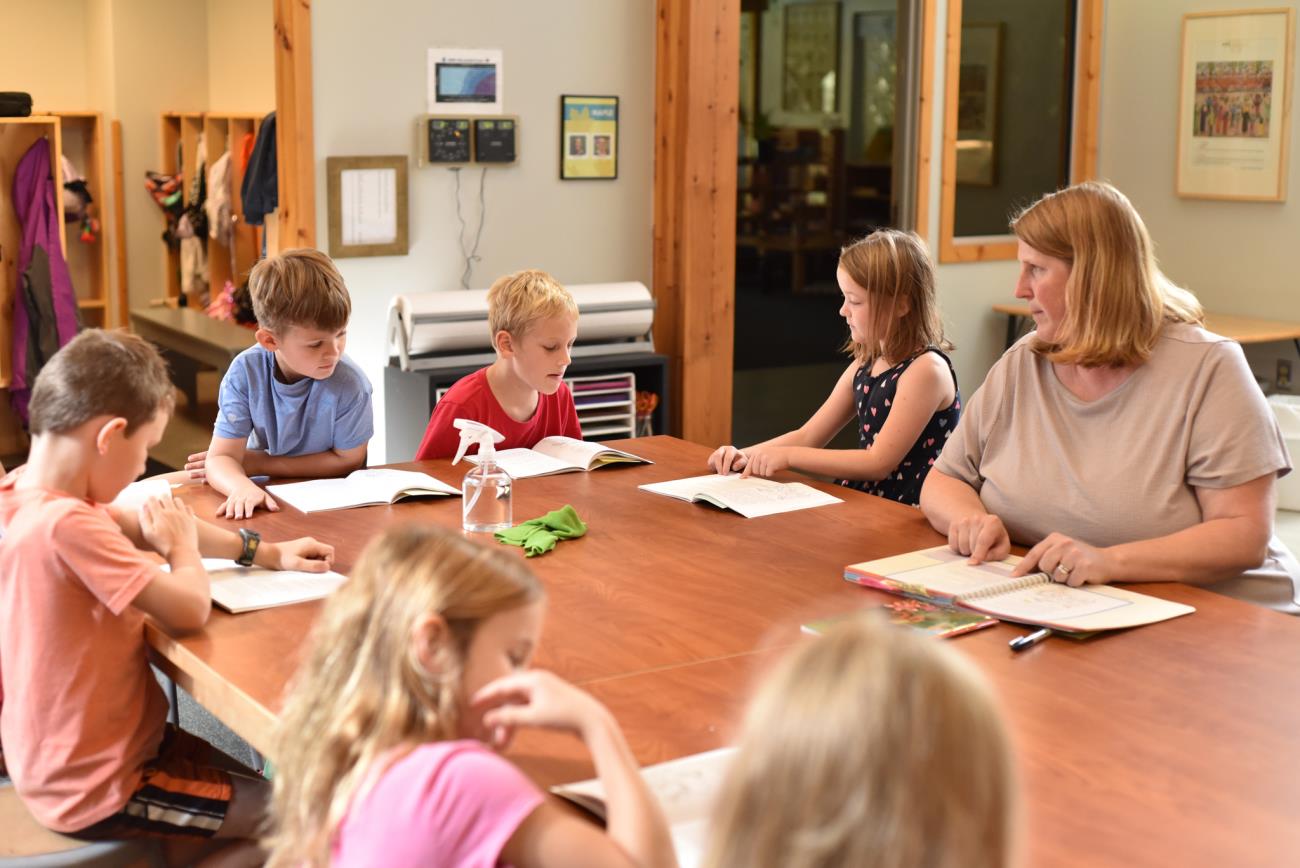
[(539, 535)]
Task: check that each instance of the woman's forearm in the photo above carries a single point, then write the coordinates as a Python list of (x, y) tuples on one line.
[(944, 499), (1202, 554)]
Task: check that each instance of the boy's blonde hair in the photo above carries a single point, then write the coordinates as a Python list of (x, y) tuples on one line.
[(894, 268), (875, 747), (300, 287), (362, 690), (1116, 299), (100, 373), (518, 300)]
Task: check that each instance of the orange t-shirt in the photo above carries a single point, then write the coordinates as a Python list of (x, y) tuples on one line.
[(81, 710)]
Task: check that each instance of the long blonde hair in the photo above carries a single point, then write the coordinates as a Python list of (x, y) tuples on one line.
[(894, 268), (363, 691), (874, 747), (1117, 300)]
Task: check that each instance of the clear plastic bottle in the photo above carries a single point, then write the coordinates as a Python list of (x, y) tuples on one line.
[(487, 489), (486, 501)]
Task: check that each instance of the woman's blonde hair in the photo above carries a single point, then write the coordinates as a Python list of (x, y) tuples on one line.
[(894, 267), (363, 691), (1116, 299), (874, 747)]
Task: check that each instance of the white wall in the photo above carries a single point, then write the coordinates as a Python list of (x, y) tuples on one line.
[(241, 56), (1238, 257), (43, 52), (369, 74)]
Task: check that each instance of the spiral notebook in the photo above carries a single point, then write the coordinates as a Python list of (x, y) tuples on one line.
[(940, 575)]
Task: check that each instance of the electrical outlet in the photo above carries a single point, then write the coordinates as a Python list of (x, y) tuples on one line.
[(1283, 381)]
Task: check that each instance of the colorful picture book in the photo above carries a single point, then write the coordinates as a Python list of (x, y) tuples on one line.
[(940, 575), (933, 618), (685, 789), (367, 487), (750, 496), (560, 454)]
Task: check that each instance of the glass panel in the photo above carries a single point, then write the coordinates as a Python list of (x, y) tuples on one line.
[(1014, 98)]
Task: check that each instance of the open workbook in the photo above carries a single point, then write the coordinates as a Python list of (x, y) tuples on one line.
[(750, 496), (941, 575), (685, 788), (360, 488), (245, 589), (560, 454)]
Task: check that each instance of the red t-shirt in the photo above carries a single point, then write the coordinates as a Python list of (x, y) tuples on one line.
[(472, 398)]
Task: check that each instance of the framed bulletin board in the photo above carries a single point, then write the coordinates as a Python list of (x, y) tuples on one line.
[(588, 138), (368, 206)]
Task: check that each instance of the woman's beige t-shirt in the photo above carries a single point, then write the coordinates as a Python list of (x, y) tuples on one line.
[(1123, 468)]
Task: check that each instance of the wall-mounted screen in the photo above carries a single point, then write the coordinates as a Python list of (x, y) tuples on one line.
[(466, 82)]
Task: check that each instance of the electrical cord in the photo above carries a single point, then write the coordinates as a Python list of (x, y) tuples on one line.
[(471, 255)]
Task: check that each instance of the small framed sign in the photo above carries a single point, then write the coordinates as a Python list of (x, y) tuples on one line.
[(588, 138), (368, 206)]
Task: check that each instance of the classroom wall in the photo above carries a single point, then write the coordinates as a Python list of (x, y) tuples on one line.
[(241, 59), (33, 31), (369, 82), (1238, 257)]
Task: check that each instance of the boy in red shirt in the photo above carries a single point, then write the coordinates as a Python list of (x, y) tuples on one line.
[(534, 322), (83, 722)]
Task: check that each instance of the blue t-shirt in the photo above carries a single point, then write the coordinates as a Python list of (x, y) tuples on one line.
[(288, 419)]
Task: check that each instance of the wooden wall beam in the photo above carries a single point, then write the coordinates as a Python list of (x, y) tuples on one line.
[(697, 83), (296, 214)]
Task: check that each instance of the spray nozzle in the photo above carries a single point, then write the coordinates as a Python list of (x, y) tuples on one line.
[(476, 432)]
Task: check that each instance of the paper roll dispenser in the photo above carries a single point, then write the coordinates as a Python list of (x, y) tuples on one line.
[(441, 329)]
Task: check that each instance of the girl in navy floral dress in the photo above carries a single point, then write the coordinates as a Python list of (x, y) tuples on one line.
[(900, 387)]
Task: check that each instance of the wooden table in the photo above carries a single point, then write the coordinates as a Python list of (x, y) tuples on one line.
[(1242, 329), (1173, 744), (189, 339)]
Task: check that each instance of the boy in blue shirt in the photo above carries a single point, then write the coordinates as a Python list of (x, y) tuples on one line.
[(293, 404)]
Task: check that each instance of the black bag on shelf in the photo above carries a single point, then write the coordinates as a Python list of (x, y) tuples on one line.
[(15, 104)]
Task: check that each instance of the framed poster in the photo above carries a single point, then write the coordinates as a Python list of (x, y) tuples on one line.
[(588, 138), (367, 206), (811, 58), (1234, 105), (977, 103)]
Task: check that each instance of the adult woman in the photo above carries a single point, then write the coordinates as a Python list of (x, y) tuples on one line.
[(1121, 440)]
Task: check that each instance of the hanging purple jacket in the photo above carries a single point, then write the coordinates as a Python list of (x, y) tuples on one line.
[(45, 312)]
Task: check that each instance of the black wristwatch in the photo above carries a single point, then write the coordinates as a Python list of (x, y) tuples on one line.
[(251, 539)]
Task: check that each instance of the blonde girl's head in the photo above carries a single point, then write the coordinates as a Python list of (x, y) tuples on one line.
[(893, 269), (874, 747), (1116, 298), (384, 672)]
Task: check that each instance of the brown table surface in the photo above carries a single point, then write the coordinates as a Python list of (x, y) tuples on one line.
[(1173, 744), (1242, 329), (193, 333)]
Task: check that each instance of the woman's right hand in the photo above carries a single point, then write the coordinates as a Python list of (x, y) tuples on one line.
[(727, 459), (535, 698), (980, 536)]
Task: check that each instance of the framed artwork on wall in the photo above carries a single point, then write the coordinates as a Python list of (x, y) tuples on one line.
[(588, 138), (811, 58), (978, 76), (368, 213), (1234, 105)]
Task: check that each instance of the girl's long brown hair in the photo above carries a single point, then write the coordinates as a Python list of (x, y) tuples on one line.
[(363, 692), (894, 268)]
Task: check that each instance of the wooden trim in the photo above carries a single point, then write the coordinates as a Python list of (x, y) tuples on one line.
[(1087, 102), (296, 214), (697, 68), (925, 122)]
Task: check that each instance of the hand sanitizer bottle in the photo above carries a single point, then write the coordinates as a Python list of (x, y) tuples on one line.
[(486, 489)]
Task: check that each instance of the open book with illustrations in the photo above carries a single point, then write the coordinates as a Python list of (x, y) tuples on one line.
[(940, 575), (685, 788), (750, 496), (367, 487), (560, 454), (245, 589), (935, 619)]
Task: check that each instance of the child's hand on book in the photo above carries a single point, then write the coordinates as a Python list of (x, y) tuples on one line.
[(535, 698), (244, 500), (1066, 560), (765, 461), (304, 555), (727, 459), (982, 537)]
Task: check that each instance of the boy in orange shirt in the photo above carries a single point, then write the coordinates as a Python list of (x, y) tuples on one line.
[(82, 720), (534, 322)]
